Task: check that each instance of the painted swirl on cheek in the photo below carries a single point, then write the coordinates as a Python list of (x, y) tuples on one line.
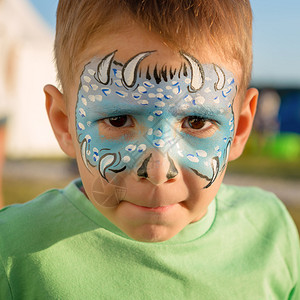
[(157, 100)]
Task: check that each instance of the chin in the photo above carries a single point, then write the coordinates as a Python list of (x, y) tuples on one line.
[(151, 233)]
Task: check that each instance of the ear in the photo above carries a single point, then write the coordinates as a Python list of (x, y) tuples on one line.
[(244, 123), (58, 117)]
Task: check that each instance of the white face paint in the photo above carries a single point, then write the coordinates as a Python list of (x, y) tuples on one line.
[(186, 114)]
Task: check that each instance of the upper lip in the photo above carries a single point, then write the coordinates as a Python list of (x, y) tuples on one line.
[(152, 206)]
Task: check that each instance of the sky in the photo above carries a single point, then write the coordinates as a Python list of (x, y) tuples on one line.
[(276, 40)]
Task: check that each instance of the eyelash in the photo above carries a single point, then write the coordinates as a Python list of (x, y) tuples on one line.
[(128, 119), (199, 119), (111, 132)]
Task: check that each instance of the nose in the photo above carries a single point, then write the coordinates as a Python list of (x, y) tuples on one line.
[(157, 168)]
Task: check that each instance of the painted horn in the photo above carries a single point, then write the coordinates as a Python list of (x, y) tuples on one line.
[(129, 71), (198, 75), (106, 161), (226, 155), (215, 164), (219, 85), (83, 153), (103, 71)]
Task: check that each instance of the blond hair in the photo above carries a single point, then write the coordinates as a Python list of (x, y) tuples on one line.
[(226, 25)]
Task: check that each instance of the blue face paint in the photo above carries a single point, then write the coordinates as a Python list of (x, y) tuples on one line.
[(157, 101)]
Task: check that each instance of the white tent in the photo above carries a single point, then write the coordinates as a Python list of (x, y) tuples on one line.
[(29, 132)]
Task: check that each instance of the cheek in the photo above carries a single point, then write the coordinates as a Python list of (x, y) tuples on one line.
[(205, 157)]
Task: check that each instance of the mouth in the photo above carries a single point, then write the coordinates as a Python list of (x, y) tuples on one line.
[(157, 209)]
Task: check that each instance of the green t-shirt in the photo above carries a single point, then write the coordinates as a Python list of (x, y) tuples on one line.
[(59, 246)]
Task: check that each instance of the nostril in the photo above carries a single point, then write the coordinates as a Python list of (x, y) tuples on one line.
[(171, 180), (143, 179)]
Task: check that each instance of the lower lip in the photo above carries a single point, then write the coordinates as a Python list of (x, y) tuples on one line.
[(159, 209)]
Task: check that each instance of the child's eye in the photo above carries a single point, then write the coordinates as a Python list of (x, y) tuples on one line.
[(117, 127), (196, 123), (199, 126), (119, 121)]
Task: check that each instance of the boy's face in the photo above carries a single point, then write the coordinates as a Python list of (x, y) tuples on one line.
[(152, 130)]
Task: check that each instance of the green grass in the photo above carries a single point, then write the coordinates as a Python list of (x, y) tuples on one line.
[(277, 156), (265, 166)]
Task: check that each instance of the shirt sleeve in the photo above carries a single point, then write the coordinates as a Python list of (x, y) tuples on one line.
[(288, 244), (5, 291), (295, 294), (294, 258)]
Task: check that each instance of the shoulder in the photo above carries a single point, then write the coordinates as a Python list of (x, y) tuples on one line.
[(18, 219), (32, 223), (261, 218), (33, 210), (259, 213), (45, 206), (254, 202)]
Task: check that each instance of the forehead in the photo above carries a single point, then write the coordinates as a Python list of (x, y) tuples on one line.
[(186, 87), (135, 40)]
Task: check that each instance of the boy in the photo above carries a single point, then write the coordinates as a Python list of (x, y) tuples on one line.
[(154, 104)]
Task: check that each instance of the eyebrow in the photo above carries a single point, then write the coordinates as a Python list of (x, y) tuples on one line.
[(198, 110), (119, 111)]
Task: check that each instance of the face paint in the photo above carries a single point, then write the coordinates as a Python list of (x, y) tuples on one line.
[(170, 110)]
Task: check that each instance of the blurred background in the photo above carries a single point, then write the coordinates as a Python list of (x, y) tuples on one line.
[(35, 162)]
